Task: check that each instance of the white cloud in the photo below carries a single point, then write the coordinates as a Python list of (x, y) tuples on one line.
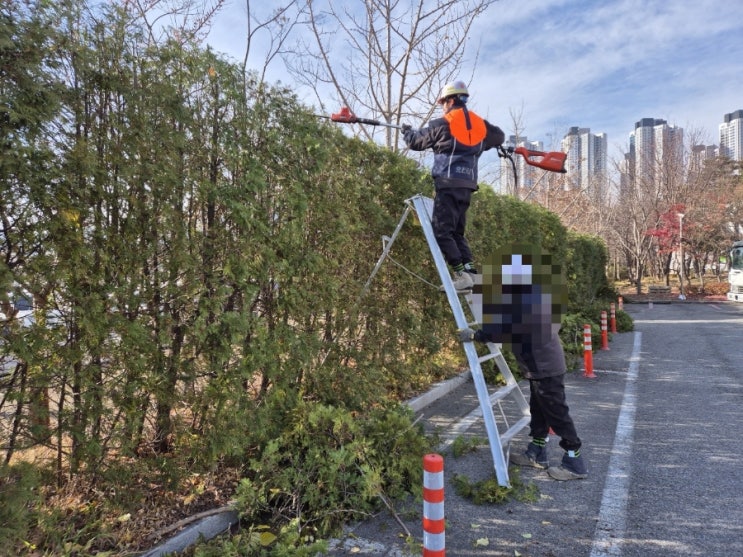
[(602, 65), (606, 65)]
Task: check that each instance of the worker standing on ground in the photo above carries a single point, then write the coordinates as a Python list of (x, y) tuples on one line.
[(522, 296), (457, 140)]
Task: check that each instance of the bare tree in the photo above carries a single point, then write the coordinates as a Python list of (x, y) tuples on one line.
[(384, 58), (509, 169), (183, 20), (586, 209), (673, 181), (274, 30), (191, 20), (711, 207), (636, 214)]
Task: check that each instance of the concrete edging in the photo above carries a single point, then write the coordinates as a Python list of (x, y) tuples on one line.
[(206, 528), (437, 391)]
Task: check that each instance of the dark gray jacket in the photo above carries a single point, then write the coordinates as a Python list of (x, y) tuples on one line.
[(457, 140), (541, 361), (536, 361)]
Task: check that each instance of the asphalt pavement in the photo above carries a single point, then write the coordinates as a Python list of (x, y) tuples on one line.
[(659, 425)]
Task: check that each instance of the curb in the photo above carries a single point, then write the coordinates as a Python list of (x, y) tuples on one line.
[(437, 391), (206, 529)]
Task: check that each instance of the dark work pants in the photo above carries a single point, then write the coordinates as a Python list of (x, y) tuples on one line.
[(449, 221), (549, 409)]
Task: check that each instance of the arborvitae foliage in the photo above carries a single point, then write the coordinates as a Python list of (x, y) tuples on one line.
[(500, 220), (330, 466), (586, 269)]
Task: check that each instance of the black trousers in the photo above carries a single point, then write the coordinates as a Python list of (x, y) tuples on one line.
[(449, 221), (549, 409)]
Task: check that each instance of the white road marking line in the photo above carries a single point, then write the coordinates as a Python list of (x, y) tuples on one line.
[(686, 321), (609, 534)]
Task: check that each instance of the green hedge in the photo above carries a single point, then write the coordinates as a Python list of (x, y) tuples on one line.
[(497, 220), (587, 258)]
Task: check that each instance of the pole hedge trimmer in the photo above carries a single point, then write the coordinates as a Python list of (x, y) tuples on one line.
[(345, 116), (553, 161)]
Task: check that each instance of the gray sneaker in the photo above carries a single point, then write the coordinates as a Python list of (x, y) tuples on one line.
[(534, 456), (462, 280), (571, 468)]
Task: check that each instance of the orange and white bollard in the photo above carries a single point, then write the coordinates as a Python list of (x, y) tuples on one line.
[(604, 332), (613, 318), (434, 537), (587, 352)]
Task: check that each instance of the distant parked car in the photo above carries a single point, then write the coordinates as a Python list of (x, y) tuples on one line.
[(23, 312)]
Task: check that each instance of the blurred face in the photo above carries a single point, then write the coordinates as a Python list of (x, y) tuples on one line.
[(520, 296), (445, 104)]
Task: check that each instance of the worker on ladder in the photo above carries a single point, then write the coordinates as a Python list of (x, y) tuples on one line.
[(457, 139)]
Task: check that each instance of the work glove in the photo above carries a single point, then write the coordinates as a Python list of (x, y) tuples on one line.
[(406, 128), (466, 335)]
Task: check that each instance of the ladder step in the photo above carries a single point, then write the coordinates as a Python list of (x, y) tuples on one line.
[(511, 432), (487, 357), (503, 392)]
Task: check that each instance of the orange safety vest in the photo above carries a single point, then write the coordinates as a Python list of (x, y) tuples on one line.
[(465, 126)]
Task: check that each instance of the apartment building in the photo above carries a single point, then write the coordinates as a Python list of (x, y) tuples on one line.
[(587, 161), (731, 136)]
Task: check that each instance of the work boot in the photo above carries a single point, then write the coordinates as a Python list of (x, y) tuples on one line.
[(534, 456), (571, 467), (462, 281)]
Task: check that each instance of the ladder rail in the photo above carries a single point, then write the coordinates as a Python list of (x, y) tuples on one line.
[(498, 443), (387, 246), (506, 373)]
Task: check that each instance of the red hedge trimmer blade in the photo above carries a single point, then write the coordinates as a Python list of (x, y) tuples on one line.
[(345, 116), (554, 161)]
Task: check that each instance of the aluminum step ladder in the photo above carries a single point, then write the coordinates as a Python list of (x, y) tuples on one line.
[(499, 440)]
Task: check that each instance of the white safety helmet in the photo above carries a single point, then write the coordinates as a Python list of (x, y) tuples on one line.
[(453, 89)]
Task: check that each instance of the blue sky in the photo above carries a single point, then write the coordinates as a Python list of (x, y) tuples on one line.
[(602, 65)]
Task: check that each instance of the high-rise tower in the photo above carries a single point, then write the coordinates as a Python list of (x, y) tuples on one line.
[(731, 136), (654, 146), (587, 158)]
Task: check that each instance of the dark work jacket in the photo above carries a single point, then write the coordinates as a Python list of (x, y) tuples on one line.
[(522, 318), (541, 361), (538, 361), (457, 140)]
